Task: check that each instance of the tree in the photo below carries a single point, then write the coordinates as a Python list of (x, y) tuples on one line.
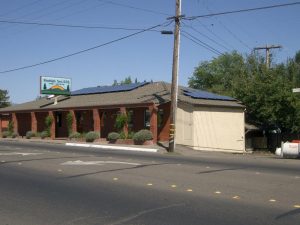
[(127, 80), (266, 93), (4, 98)]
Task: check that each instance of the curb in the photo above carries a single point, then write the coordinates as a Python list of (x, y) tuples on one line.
[(113, 147)]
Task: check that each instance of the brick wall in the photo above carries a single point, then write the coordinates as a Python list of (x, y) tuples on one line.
[(24, 123), (40, 118), (163, 131)]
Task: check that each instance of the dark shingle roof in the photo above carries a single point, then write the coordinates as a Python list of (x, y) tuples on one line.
[(157, 92)]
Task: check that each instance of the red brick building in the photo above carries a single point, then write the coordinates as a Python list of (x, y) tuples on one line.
[(95, 109)]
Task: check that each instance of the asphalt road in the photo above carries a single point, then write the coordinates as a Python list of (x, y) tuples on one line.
[(54, 184)]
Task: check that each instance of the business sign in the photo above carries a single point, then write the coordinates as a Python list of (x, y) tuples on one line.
[(55, 86)]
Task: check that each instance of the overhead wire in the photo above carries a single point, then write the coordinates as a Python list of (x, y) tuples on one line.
[(230, 32), (204, 35), (215, 35), (72, 25), (201, 43), (242, 10), (19, 8), (85, 50), (134, 7)]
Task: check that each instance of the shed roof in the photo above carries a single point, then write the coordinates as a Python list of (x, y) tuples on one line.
[(156, 92)]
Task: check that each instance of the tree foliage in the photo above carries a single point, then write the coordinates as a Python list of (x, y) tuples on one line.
[(4, 98), (266, 93)]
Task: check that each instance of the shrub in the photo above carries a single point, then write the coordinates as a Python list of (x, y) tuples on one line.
[(44, 134), (30, 134), (69, 123), (14, 135), (48, 123), (6, 134), (113, 136), (91, 136), (123, 135), (130, 135), (75, 135), (11, 126), (142, 136), (121, 121)]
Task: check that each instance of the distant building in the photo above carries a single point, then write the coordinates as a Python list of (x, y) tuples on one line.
[(205, 121)]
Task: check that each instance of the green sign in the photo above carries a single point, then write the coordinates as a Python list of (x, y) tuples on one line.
[(55, 86)]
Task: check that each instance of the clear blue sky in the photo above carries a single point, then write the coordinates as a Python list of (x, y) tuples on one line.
[(146, 56)]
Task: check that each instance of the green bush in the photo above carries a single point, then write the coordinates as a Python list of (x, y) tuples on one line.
[(69, 123), (44, 134), (113, 136), (130, 135), (91, 136), (123, 135), (75, 135), (121, 121), (11, 126), (14, 135), (30, 134), (6, 134), (48, 123), (142, 136)]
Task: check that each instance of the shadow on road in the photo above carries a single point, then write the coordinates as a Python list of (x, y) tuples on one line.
[(221, 170), (289, 213), (40, 159), (113, 170)]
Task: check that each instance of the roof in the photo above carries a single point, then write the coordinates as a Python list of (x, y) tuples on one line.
[(148, 93)]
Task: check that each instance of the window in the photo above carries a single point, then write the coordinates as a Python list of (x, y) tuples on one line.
[(147, 119), (160, 118), (130, 119), (59, 119)]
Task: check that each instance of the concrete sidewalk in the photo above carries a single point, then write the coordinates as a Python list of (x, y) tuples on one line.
[(160, 147)]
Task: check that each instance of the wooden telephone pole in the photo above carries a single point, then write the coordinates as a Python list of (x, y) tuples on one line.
[(267, 48), (174, 85)]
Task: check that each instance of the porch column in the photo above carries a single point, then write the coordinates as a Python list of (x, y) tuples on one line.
[(15, 122), (97, 121), (153, 121), (125, 128), (74, 123), (52, 129), (0, 126), (33, 122)]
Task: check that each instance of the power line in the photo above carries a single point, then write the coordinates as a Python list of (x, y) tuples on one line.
[(209, 38), (86, 50), (215, 35), (21, 7), (136, 8), (242, 10), (70, 25), (230, 32), (201, 43)]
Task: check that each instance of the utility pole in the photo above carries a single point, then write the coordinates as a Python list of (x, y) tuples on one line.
[(267, 48), (174, 85)]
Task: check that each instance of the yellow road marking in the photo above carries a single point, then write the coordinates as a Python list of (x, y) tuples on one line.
[(173, 186), (236, 197), (272, 200), (189, 190), (218, 192), (149, 184), (296, 206)]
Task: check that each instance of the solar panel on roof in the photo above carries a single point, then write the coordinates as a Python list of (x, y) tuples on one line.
[(108, 89), (199, 94)]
